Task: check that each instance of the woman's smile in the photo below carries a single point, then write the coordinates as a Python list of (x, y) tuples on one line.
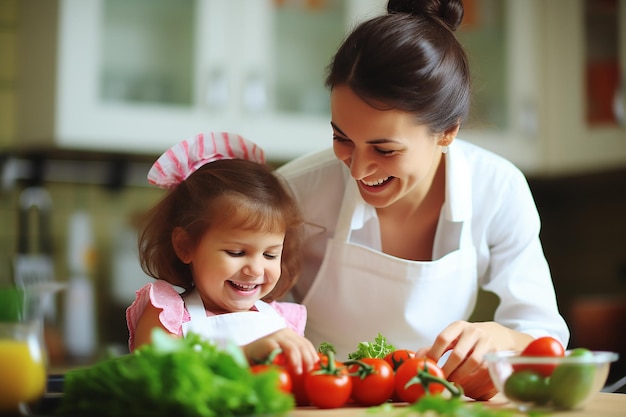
[(375, 183), (377, 186)]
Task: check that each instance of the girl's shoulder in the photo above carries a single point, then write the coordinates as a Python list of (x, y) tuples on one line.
[(161, 295), (294, 314)]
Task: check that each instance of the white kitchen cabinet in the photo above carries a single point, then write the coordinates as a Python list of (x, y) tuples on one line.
[(540, 68), (584, 92), (140, 75), (540, 96)]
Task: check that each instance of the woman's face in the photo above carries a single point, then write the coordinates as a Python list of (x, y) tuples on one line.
[(391, 157), (233, 268)]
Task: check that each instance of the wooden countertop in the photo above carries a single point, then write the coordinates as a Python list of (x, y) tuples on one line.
[(602, 405)]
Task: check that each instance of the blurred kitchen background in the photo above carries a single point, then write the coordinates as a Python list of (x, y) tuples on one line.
[(92, 91)]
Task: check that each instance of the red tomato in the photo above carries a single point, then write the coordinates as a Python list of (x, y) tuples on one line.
[(298, 390), (297, 380), (409, 370), (543, 346), (284, 378), (280, 360), (326, 390), (397, 357), (328, 384), (372, 386)]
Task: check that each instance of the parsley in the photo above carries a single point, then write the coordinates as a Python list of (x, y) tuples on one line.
[(377, 349)]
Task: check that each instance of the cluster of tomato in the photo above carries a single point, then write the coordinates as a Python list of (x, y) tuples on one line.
[(399, 376)]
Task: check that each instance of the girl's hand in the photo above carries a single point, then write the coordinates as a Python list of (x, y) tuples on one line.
[(468, 343), (299, 351)]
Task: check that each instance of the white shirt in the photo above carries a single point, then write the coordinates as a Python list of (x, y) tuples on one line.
[(504, 226)]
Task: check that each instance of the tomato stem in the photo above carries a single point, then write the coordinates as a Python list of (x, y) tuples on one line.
[(364, 369), (425, 378), (270, 358), (329, 368)]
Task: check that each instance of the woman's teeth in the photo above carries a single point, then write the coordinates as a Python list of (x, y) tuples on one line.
[(374, 183), (242, 287)]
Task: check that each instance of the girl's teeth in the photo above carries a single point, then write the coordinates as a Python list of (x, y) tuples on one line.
[(374, 183), (243, 287)]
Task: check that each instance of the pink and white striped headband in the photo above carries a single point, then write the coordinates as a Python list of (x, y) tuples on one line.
[(181, 160)]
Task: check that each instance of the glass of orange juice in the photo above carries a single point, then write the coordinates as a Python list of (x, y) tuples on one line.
[(23, 357)]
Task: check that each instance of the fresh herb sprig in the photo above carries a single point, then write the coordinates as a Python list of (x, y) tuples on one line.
[(379, 348)]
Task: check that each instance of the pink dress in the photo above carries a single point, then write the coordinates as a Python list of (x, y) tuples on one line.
[(162, 295)]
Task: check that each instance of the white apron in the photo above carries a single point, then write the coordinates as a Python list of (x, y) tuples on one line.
[(240, 327), (359, 292)]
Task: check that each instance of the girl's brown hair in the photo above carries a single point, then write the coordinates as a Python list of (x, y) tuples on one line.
[(409, 59), (243, 194)]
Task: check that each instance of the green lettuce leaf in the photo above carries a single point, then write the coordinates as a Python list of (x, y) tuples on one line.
[(174, 377)]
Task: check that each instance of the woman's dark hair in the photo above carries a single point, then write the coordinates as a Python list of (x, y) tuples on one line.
[(409, 59), (233, 192)]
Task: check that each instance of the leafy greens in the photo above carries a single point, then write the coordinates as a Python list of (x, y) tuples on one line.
[(379, 348), (174, 377)]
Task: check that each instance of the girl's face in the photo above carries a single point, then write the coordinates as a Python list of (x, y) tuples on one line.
[(233, 268), (391, 157)]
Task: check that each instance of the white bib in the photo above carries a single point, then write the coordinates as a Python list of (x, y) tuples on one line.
[(240, 328)]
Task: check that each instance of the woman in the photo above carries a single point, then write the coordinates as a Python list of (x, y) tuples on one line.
[(406, 222)]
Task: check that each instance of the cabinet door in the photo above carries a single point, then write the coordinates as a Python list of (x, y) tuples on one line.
[(141, 75), (585, 43), (502, 40)]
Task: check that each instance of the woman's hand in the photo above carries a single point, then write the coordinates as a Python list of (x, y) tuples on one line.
[(299, 351), (468, 343)]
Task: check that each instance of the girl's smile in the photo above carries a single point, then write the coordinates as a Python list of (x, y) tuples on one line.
[(233, 268), (246, 289)]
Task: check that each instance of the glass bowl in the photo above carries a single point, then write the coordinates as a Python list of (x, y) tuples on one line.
[(549, 383)]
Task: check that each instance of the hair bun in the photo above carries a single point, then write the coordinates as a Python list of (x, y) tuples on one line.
[(449, 12)]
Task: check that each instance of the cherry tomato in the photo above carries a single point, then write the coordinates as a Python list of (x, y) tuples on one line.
[(542, 346), (328, 384), (298, 389), (280, 360), (327, 390), (284, 378), (297, 380), (374, 384), (411, 369), (397, 357)]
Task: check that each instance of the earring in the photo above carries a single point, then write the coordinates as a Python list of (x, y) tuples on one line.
[(444, 149)]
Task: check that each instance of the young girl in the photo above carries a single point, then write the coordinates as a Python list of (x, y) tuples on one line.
[(222, 233)]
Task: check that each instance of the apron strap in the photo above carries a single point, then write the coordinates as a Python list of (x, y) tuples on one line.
[(194, 305), (346, 212)]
